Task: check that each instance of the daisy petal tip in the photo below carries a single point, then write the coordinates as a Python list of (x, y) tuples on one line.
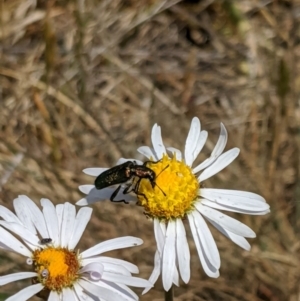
[(195, 120), (24, 198), (82, 202), (237, 150), (155, 126), (137, 241), (213, 274), (223, 129), (81, 188), (185, 279), (146, 290), (217, 275), (167, 287), (247, 248), (86, 188), (150, 284), (234, 151), (249, 233)]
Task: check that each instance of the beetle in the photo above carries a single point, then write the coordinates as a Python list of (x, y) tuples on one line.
[(124, 172)]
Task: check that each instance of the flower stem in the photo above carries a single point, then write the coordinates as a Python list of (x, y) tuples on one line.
[(169, 294)]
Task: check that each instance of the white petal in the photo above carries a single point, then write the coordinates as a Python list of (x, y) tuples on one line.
[(217, 151), (175, 279), (81, 220), (237, 199), (207, 241), (157, 142), (16, 276), (191, 141), (36, 216), (155, 273), (159, 236), (123, 160), (223, 161), (131, 281), (8, 216), (108, 260), (9, 240), (225, 221), (84, 202), (119, 288), (105, 293), (95, 266), (174, 152), (210, 270), (19, 230), (163, 227), (183, 251), (26, 293), (67, 225), (94, 171), (95, 195), (115, 268), (147, 152), (221, 142), (59, 212), (237, 193), (68, 294), (168, 261), (86, 188), (200, 143), (239, 240), (227, 208), (94, 269), (80, 292), (21, 204), (112, 244), (51, 220), (4, 247), (54, 296)]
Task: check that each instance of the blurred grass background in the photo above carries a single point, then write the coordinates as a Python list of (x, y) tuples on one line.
[(82, 82)]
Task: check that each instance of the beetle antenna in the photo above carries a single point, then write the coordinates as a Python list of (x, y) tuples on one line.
[(158, 176), (160, 189), (162, 170)]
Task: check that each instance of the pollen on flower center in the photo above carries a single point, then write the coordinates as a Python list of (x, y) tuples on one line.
[(57, 267), (176, 189)]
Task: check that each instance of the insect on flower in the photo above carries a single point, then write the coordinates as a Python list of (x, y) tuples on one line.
[(188, 199), (124, 172), (45, 241)]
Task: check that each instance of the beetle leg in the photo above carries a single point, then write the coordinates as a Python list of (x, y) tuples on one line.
[(114, 194), (127, 190), (136, 189)]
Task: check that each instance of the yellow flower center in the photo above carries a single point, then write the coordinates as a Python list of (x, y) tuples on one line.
[(175, 191), (57, 267)]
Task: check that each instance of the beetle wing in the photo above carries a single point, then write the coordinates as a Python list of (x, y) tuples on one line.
[(115, 175)]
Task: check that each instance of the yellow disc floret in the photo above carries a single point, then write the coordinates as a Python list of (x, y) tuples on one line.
[(175, 190), (57, 267)]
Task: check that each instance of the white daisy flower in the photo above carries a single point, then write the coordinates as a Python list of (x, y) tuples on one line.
[(48, 238), (178, 195)]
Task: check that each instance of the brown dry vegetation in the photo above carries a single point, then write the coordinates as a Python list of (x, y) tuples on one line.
[(82, 82)]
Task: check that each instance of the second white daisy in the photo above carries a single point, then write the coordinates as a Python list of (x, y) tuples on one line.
[(48, 239)]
